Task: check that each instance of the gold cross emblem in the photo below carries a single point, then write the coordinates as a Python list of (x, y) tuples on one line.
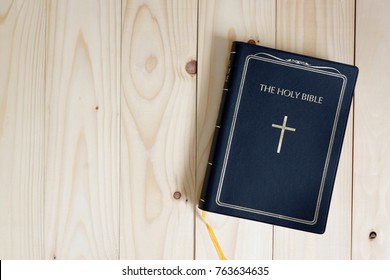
[(283, 128)]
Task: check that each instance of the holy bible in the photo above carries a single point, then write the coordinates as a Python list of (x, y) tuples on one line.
[(278, 137)]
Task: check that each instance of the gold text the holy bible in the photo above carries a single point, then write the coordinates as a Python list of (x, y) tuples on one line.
[(291, 93)]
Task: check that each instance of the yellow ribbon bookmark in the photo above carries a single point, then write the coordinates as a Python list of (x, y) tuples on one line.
[(214, 238)]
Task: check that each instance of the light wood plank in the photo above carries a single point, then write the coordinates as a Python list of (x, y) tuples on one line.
[(158, 129), (158, 155), (22, 64), (82, 122), (372, 132), (220, 23), (323, 29)]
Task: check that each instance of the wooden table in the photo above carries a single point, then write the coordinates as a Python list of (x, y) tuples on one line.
[(106, 126)]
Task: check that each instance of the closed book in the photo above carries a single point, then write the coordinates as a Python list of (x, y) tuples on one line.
[(278, 137)]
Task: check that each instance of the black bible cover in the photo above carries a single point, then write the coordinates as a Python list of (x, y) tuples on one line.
[(278, 137)]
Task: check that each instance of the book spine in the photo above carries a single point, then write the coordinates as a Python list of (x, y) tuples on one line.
[(203, 196)]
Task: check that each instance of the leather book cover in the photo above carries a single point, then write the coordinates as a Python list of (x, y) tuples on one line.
[(278, 137)]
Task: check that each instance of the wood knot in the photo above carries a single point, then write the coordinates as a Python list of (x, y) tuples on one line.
[(251, 41), (176, 195), (151, 64), (191, 67), (372, 235)]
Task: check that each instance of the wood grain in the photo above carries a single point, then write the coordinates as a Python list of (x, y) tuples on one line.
[(371, 212), (82, 130), (323, 29), (220, 23), (158, 129), (104, 135), (22, 69)]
